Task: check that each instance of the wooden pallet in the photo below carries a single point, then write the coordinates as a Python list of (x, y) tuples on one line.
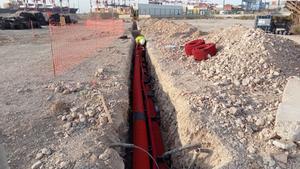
[(294, 7)]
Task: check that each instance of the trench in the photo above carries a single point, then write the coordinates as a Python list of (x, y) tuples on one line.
[(212, 153), (144, 131)]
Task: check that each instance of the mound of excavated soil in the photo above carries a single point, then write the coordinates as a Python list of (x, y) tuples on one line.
[(232, 96)]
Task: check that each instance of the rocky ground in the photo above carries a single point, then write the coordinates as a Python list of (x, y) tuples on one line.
[(227, 103), (66, 121), (209, 25)]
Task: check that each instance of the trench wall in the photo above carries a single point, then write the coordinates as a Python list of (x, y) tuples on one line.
[(181, 123)]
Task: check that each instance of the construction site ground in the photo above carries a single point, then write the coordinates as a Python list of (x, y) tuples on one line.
[(227, 103), (65, 121)]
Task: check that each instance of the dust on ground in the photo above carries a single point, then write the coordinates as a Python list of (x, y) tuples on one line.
[(66, 121)]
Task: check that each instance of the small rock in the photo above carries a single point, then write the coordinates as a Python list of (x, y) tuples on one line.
[(283, 144), (260, 122), (275, 73), (74, 109), (93, 158), (59, 106), (245, 81), (39, 156), (68, 125), (73, 114), (91, 113), (63, 165), (66, 91), (58, 89), (36, 165), (46, 151), (251, 149), (99, 72), (50, 97), (63, 118), (69, 117), (82, 118), (233, 110), (103, 120)]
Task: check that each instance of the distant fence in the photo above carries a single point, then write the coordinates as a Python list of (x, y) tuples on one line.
[(71, 44)]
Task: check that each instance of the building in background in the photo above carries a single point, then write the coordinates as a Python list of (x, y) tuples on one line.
[(254, 5)]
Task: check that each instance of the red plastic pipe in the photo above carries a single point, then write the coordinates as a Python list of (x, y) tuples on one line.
[(153, 125), (140, 138)]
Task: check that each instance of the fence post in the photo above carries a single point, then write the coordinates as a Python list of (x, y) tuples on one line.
[(31, 25), (52, 52)]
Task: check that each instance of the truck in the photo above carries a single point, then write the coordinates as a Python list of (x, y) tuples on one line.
[(283, 21)]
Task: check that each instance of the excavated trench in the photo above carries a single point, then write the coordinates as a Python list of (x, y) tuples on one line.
[(177, 124)]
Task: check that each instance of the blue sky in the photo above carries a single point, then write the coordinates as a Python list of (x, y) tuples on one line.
[(84, 4)]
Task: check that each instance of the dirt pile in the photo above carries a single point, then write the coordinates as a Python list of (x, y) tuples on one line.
[(233, 95)]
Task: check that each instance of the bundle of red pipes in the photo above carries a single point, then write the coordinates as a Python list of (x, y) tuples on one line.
[(199, 49), (146, 131)]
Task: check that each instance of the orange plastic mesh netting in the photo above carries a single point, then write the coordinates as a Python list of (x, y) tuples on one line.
[(71, 44)]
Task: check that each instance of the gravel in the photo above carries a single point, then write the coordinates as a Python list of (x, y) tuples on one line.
[(234, 95)]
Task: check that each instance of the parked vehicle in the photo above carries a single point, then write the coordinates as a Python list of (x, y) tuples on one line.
[(23, 20), (276, 24), (55, 19)]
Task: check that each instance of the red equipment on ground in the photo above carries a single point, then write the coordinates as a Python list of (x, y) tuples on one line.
[(146, 131), (191, 45), (200, 50)]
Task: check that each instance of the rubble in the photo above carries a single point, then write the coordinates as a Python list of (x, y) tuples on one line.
[(37, 165), (284, 144), (233, 95)]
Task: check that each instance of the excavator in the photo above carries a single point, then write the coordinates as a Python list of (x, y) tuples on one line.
[(281, 22)]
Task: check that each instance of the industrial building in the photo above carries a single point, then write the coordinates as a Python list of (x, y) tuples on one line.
[(253, 5)]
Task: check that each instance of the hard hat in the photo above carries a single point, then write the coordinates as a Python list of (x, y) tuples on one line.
[(142, 41)]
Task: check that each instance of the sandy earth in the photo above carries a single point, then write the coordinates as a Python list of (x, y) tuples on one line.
[(27, 122), (201, 102)]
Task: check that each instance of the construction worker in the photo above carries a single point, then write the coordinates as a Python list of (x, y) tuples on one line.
[(140, 40)]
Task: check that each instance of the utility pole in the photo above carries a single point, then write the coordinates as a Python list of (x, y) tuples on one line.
[(91, 6), (223, 4), (60, 3)]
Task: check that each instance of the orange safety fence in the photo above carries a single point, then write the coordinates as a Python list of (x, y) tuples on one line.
[(72, 44)]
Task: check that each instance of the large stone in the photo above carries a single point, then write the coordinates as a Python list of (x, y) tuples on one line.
[(287, 123)]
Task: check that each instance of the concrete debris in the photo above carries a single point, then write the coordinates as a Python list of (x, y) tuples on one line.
[(288, 114), (37, 165), (283, 144)]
